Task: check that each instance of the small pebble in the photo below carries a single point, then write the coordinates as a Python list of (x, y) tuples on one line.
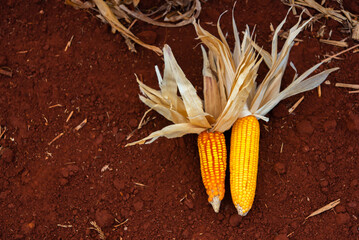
[(133, 123), (306, 149), (27, 228), (279, 168), (235, 220), (324, 183), (46, 47)]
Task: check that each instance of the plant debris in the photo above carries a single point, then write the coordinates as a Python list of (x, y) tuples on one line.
[(78, 127), (325, 208), (97, 228), (335, 43), (174, 13), (347, 19), (5, 72)]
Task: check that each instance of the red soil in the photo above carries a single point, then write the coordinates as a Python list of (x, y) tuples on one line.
[(155, 191)]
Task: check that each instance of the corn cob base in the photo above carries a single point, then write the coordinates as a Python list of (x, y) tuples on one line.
[(244, 162), (213, 156)]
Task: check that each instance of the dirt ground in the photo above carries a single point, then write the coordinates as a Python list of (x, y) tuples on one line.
[(54, 190)]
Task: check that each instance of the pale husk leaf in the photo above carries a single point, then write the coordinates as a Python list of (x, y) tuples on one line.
[(224, 61), (212, 98), (165, 111), (243, 84), (192, 102), (171, 131), (296, 87), (270, 86)]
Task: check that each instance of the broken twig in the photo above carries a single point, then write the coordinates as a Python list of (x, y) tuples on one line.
[(78, 127), (69, 43), (324, 209), (295, 105), (5, 72), (57, 137)]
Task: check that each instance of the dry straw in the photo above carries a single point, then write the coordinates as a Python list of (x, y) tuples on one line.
[(114, 12), (347, 19)]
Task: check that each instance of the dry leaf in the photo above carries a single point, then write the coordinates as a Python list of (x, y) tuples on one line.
[(230, 90), (325, 208), (335, 43), (113, 11)]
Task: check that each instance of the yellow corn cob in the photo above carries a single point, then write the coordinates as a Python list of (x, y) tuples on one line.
[(244, 162), (213, 156)]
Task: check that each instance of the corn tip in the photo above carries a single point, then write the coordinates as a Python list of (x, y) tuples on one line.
[(216, 203), (240, 210)]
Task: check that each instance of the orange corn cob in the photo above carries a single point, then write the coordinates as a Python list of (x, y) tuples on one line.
[(213, 156), (244, 162)]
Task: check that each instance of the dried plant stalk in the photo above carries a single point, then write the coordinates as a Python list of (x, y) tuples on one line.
[(325, 208), (347, 85), (112, 11), (335, 43), (355, 34), (347, 19)]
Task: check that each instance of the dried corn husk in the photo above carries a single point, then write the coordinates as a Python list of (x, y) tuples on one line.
[(111, 11), (268, 93), (230, 90), (228, 81), (347, 19)]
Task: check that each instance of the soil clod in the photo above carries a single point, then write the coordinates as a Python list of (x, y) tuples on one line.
[(7, 155), (342, 218), (104, 218), (280, 168), (138, 205), (235, 220), (305, 128)]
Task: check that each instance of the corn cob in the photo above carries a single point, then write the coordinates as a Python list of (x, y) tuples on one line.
[(213, 157), (244, 162)]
